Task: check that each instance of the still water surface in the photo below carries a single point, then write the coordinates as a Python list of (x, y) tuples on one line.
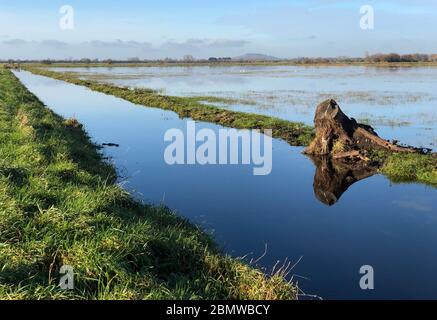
[(390, 227), (401, 103)]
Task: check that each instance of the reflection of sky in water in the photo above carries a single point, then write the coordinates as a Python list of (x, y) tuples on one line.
[(401, 103), (395, 232)]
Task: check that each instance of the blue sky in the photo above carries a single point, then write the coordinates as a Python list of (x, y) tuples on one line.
[(158, 29)]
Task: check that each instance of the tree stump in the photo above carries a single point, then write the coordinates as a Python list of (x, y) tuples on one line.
[(342, 137)]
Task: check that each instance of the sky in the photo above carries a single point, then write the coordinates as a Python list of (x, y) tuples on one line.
[(158, 29)]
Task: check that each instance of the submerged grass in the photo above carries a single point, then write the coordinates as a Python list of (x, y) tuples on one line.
[(60, 205), (397, 167)]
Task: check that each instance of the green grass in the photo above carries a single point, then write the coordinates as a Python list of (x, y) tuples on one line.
[(411, 168), (407, 167), (60, 205)]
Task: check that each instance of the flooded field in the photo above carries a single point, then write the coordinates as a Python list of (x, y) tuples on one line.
[(401, 103), (283, 216)]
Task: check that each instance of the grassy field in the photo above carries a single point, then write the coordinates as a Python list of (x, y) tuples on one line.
[(60, 205)]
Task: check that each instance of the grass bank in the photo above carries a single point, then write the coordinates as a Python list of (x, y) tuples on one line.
[(397, 167), (409, 168), (60, 205)]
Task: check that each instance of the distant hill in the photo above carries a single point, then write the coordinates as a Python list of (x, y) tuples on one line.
[(255, 57)]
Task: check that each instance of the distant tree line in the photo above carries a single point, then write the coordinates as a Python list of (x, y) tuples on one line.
[(306, 60), (220, 59), (394, 57), (374, 58)]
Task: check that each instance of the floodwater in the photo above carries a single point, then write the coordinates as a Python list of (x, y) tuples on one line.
[(401, 103), (298, 213)]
